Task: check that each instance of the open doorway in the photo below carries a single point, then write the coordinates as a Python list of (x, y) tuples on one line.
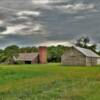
[(27, 62)]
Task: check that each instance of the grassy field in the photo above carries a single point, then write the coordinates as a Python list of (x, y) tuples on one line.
[(49, 82)]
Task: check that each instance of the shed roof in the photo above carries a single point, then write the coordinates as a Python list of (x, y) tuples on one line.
[(87, 52), (27, 56)]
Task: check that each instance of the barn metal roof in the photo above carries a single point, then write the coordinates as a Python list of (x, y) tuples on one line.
[(27, 56), (87, 52)]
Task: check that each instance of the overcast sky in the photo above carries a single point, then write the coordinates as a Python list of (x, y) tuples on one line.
[(40, 22)]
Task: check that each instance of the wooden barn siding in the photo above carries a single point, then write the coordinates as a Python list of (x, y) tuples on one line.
[(35, 60), (98, 61), (73, 57), (91, 61)]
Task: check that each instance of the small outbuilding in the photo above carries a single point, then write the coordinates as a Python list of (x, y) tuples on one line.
[(27, 58), (33, 58), (76, 56)]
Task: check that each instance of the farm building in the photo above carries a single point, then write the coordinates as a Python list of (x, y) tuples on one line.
[(79, 56), (32, 58)]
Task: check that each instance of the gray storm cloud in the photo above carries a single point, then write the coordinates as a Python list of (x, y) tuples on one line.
[(30, 22)]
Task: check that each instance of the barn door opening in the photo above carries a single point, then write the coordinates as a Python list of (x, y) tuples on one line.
[(27, 62)]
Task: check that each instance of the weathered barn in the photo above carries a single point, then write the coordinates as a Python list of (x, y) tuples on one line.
[(32, 58), (27, 58), (79, 56)]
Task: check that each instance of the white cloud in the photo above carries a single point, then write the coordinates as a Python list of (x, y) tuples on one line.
[(24, 30), (44, 2), (32, 29), (69, 8), (36, 28), (47, 4), (40, 1), (22, 17), (55, 43), (1, 22), (13, 29), (28, 13), (74, 8)]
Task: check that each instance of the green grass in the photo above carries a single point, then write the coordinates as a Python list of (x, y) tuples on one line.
[(49, 82)]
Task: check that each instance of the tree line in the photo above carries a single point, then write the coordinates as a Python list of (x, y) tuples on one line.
[(54, 52)]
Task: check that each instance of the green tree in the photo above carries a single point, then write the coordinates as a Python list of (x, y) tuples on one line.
[(28, 49), (80, 42), (9, 52), (84, 41), (93, 47), (55, 53)]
